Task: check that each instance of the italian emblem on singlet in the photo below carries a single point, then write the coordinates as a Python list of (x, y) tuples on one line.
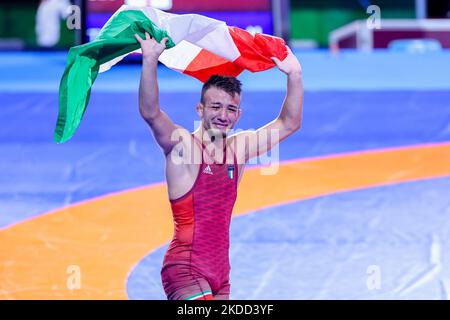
[(230, 171)]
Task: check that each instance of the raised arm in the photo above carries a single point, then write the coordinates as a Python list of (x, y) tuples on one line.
[(260, 141), (160, 123)]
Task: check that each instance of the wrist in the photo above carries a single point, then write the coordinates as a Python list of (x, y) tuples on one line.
[(295, 74), (150, 58)]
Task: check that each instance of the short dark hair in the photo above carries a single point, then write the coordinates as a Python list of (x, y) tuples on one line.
[(230, 85)]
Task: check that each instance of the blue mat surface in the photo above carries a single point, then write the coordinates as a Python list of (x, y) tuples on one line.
[(320, 248)]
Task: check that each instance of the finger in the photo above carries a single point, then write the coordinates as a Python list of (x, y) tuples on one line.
[(138, 38), (276, 60), (147, 36), (288, 49), (164, 41)]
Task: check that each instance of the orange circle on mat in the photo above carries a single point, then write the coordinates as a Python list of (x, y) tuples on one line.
[(107, 236)]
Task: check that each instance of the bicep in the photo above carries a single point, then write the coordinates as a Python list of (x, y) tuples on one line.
[(166, 132), (254, 143)]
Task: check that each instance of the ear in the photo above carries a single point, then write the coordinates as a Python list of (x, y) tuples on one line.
[(200, 109), (239, 114)]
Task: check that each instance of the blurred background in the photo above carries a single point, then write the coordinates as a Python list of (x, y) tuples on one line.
[(305, 22), (359, 209)]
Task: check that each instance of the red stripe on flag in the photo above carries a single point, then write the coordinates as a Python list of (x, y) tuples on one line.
[(206, 64), (257, 50)]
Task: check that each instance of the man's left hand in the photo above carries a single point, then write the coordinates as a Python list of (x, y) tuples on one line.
[(290, 65)]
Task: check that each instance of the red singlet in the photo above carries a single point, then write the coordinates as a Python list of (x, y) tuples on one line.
[(196, 264)]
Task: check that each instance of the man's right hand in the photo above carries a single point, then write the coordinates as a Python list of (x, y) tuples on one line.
[(151, 49)]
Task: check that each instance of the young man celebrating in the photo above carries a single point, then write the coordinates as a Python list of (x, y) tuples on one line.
[(203, 171)]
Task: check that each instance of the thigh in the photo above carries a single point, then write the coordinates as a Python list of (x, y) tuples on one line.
[(198, 289), (186, 287), (223, 293)]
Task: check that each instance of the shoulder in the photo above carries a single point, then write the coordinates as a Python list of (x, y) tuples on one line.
[(180, 134), (187, 149)]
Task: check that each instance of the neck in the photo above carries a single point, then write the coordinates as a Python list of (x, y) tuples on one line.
[(207, 137)]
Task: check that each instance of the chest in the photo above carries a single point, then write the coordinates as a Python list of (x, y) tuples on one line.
[(213, 177)]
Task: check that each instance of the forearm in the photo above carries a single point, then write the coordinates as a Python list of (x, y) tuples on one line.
[(291, 112), (148, 89)]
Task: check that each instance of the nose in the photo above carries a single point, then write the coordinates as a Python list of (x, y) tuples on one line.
[(223, 114)]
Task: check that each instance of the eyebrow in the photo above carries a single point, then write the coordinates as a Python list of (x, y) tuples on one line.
[(219, 103)]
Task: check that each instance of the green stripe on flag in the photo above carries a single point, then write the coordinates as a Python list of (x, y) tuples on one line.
[(115, 39)]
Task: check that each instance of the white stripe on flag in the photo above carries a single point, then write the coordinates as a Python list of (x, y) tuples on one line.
[(109, 64), (180, 56), (207, 33), (219, 41)]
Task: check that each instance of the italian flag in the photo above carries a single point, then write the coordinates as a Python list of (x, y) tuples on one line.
[(198, 46)]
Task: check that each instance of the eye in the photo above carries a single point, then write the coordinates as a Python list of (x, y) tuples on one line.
[(234, 110)]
